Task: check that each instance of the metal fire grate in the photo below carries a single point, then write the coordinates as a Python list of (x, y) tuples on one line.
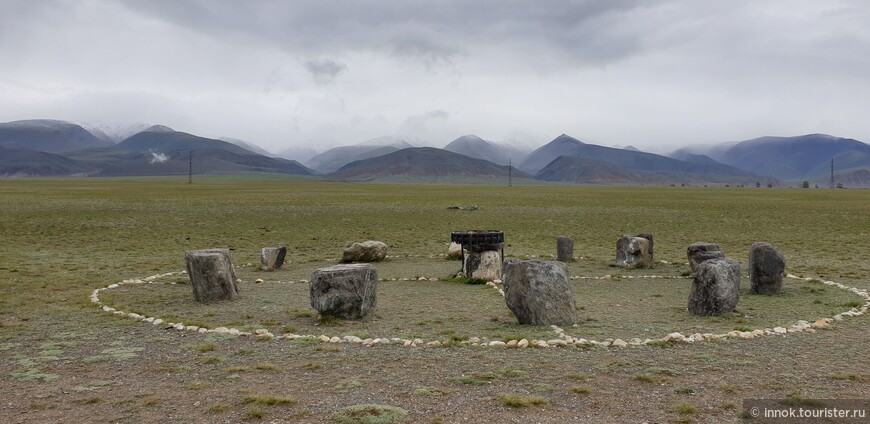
[(471, 238), (477, 237)]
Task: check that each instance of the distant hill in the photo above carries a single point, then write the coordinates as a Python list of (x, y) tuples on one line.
[(116, 133), (797, 158), (162, 151), (476, 147), (251, 147), (205, 161), (18, 163), (302, 154), (857, 178), (638, 165), (333, 159), (170, 141), (46, 135), (423, 164), (575, 169)]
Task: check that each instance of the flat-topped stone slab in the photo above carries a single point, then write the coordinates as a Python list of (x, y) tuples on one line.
[(212, 275), (347, 291)]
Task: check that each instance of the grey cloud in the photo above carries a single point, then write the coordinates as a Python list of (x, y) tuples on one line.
[(324, 71), (419, 123), (675, 71), (434, 33)]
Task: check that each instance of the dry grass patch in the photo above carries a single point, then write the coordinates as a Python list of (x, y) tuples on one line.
[(522, 401)]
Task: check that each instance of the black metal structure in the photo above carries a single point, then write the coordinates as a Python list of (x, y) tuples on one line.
[(478, 241)]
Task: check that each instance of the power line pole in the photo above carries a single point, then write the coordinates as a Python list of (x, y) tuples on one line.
[(190, 167), (832, 172)]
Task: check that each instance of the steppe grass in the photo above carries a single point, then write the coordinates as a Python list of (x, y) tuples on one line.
[(625, 308), (64, 238)]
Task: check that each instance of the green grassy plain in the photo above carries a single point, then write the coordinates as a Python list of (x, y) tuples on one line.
[(63, 238)]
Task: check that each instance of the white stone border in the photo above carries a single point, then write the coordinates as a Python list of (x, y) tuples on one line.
[(562, 339)]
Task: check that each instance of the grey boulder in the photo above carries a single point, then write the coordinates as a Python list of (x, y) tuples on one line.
[(766, 266), (273, 257), (211, 274), (539, 292), (700, 252), (344, 291), (716, 288), (367, 251), (633, 252)]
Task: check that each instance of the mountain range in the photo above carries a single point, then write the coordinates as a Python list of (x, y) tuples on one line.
[(802, 158), (56, 148)]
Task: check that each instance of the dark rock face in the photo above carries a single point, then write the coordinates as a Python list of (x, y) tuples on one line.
[(212, 275), (539, 292), (649, 237), (367, 251), (564, 249), (345, 291), (766, 266), (716, 288), (633, 252), (700, 252), (273, 257)]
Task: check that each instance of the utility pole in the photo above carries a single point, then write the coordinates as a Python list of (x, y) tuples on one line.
[(832, 172), (190, 167)]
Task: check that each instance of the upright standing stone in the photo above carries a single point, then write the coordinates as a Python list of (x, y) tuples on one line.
[(564, 249), (700, 252), (538, 292), (212, 275), (482, 264), (649, 237), (367, 251), (716, 287), (345, 291), (633, 252), (766, 266), (273, 257)]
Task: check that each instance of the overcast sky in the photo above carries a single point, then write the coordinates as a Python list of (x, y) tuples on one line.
[(653, 74)]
